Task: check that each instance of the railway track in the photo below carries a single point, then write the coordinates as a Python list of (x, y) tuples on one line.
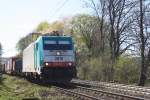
[(75, 94), (133, 91), (84, 93)]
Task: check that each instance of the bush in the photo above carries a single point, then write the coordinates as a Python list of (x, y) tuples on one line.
[(93, 69), (125, 70)]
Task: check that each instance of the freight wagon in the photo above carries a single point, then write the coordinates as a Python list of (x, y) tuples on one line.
[(18, 66), (13, 65)]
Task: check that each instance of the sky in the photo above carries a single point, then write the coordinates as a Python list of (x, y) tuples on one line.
[(20, 17)]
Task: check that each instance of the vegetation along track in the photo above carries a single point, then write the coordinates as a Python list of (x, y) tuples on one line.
[(84, 93), (118, 89)]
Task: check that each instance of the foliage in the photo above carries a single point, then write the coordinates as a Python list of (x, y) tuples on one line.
[(86, 28), (125, 70), (45, 27), (25, 41), (0, 62), (21, 45), (42, 26), (128, 30), (0, 54), (142, 38), (57, 26), (0, 49)]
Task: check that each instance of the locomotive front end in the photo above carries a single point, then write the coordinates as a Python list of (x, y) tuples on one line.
[(59, 58)]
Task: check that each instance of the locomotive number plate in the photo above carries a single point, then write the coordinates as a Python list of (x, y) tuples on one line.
[(59, 58)]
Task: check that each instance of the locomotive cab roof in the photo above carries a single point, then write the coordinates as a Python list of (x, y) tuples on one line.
[(54, 37)]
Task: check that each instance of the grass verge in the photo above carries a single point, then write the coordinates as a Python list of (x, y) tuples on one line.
[(15, 88)]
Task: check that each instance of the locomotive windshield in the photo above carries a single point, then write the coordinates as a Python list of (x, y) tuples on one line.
[(57, 45)]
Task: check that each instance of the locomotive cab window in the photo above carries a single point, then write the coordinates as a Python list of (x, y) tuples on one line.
[(58, 45), (49, 42), (63, 42)]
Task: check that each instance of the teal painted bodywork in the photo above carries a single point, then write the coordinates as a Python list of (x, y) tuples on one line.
[(38, 53)]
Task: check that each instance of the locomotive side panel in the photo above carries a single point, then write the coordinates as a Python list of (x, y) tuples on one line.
[(38, 55), (28, 59)]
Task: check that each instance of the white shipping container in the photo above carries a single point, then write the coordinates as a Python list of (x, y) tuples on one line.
[(28, 59)]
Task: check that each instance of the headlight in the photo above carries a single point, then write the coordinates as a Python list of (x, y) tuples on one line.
[(46, 64), (58, 53), (69, 64)]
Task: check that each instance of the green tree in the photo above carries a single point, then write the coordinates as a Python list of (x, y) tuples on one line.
[(45, 27), (42, 26), (25, 41), (57, 26), (87, 27)]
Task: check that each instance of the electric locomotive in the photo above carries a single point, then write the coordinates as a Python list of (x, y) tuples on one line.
[(51, 58)]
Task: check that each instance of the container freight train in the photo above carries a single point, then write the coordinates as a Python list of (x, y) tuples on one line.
[(50, 58)]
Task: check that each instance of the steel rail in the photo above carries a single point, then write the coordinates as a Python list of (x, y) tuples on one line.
[(71, 92), (125, 88), (111, 93), (131, 87)]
